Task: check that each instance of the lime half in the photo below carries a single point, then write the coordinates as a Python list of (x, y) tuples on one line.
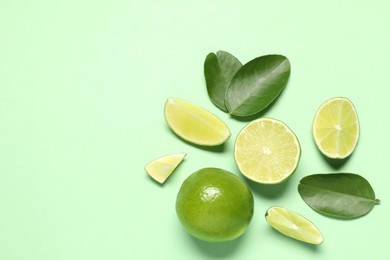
[(161, 168), (267, 151), (194, 123), (336, 128), (293, 225)]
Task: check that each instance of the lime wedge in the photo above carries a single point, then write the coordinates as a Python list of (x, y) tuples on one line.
[(336, 128), (194, 123), (293, 225), (267, 151), (161, 168)]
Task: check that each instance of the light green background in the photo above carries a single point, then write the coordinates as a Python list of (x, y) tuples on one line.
[(82, 89)]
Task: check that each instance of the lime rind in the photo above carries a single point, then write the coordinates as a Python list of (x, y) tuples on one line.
[(214, 205), (293, 225), (350, 130), (161, 168), (195, 124), (243, 161)]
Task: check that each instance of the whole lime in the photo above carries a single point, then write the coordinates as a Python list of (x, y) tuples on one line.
[(214, 205)]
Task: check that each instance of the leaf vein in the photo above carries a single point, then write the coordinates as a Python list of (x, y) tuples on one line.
[(338, 192)]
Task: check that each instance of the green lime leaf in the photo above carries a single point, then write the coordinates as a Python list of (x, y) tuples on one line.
[(256, 85), (219, 70), (339, 195)]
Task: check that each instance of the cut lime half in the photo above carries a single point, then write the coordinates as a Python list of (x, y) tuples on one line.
[(161, 168), (336, 128), (194, 123), (267, 151), (293, 225)]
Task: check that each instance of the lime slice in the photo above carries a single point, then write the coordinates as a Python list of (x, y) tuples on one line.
[(293, 225), (336, 128), (267, 151), (195, 124), (161, 168)]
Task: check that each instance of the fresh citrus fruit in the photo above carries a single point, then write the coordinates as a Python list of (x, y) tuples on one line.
[(293, 225), (267, 151), (195, 124), (336, 128), (161, 168), (214, 205)]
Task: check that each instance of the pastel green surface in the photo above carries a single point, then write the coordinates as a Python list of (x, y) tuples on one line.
[(82, 92)]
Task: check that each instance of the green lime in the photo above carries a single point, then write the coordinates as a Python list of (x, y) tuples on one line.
[(214, 205)]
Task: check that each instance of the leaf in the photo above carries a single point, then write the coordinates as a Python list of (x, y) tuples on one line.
[(219, 70), (257, 84), (339, 195)]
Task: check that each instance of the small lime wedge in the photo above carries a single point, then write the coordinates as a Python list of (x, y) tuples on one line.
[(336, 128), (194, 123), (293, 225), (161, 168), (267, 151)]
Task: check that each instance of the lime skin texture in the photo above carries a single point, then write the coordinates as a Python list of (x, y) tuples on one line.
[(214, 205)]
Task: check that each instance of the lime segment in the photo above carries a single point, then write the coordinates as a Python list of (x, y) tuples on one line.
[(267, 151), (160, 169), (336, 128), (293, 225), (195, 124)]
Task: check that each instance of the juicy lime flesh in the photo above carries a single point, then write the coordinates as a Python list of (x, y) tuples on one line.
[(293, 225), (161, 168), (214, 205), (195, 124), (336, 128), (267, 151)]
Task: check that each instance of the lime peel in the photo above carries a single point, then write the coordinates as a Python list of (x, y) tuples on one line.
[(214, 205)]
